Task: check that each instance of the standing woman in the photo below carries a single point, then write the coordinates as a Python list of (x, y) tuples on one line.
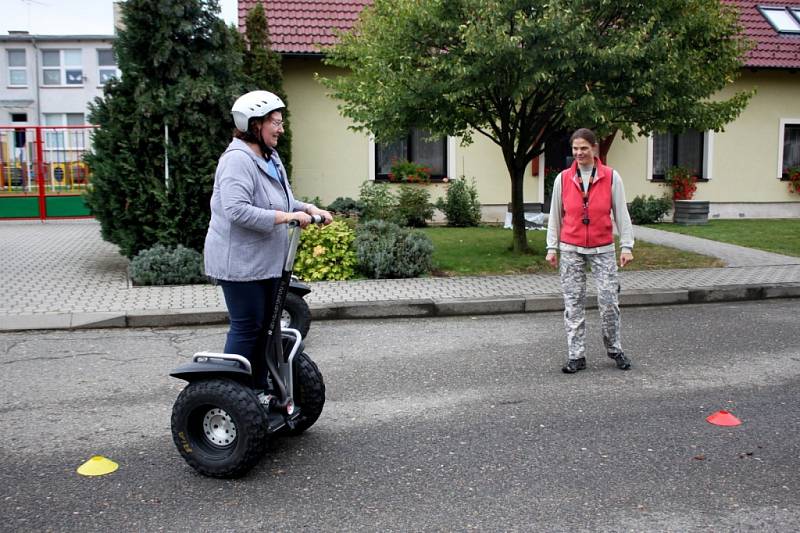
[(247, 237), (585, 196)]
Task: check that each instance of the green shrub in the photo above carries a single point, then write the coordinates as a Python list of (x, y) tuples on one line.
[(162, 265), (378, 202), (326, 252), (414, 206), (385, 250), (346, 206), (649, 210), (460, 205)]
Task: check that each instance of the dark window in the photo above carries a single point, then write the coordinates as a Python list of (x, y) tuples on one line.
[(558, 152), (19, 133), (791, 147), (678, 150), (417, 148)]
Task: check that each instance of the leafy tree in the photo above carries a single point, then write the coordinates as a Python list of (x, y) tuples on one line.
[(520, 71), (262, 66), (180, 71)]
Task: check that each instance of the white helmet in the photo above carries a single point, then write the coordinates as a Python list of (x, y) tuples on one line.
[(254, 104)]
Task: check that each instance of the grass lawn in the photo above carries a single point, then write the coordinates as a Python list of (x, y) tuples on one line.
[(780, 235), (485, 250)]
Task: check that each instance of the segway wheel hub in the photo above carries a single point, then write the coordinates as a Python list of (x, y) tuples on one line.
[(218, 427)]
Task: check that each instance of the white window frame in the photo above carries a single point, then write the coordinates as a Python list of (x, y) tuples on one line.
[(11, 69), (63, 68), (786, 19), (783, 123), (104, 68), (56, 140), (451, 157), (708, 150)]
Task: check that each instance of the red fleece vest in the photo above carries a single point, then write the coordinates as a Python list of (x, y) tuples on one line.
[(598, 232)]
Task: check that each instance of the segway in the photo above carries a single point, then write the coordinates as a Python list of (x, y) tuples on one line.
[(220, 423)]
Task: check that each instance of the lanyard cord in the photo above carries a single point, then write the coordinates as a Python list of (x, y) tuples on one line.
[(585, 191)]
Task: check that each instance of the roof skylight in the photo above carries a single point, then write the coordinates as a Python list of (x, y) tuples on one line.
[(783, 19)]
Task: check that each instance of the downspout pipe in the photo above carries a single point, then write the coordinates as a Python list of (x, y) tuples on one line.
[(38, 80)]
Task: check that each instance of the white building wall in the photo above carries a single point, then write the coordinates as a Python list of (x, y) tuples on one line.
[(37, 99)]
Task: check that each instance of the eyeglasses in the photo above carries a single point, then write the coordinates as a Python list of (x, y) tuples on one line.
[(277, 123)]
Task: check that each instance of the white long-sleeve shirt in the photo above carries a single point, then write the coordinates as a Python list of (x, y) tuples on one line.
[(619, 211)]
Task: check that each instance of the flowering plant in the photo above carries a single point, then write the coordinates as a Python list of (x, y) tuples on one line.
[(403, 171), (682, 182), (794, 179)]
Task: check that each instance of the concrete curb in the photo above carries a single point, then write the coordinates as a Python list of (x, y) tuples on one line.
[(744, 292), (416, 308), (175, 317)]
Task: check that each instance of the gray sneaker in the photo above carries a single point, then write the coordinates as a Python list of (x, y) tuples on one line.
[(623, 363), (573, 365)]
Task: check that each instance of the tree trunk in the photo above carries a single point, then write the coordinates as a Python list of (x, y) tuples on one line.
[(520, 237)]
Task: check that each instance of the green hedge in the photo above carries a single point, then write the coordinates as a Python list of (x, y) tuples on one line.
[(162, 265), (649, 210), (385, 250)]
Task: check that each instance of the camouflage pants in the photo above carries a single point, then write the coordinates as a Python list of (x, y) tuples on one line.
[(573, 284)]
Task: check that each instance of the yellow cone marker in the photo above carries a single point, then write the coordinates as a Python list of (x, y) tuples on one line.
[(97, 466)]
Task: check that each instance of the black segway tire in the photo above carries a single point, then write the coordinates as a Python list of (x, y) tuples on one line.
[(219, 427), (309, 392), (299, 315)]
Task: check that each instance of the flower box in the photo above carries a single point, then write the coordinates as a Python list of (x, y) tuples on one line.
[(690, 212)]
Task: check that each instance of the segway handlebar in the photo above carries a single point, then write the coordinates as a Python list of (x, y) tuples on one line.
[(315, 219)]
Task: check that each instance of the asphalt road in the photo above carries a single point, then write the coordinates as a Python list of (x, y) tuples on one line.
[(448, 424)]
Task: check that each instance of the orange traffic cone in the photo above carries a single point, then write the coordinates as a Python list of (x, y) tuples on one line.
[(723, 418)]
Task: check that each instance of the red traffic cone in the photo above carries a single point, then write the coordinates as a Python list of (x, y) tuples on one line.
[(723, 418)]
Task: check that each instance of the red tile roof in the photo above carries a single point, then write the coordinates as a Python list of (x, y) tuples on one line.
[(772, 49), (306, 27)]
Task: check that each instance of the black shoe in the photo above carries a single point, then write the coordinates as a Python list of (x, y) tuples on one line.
[(623, 363), (573, 365)]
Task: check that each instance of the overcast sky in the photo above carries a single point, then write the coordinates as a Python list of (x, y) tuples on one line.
[(71, 17)]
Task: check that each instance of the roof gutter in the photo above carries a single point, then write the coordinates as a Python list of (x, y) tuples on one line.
[(310, 55)]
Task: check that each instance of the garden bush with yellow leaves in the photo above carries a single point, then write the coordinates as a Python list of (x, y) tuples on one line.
[(326, 253)]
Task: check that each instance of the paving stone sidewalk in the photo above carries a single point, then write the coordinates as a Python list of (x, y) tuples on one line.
[(61, 274)]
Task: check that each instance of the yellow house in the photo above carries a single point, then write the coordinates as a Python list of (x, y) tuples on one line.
[(742, 169)]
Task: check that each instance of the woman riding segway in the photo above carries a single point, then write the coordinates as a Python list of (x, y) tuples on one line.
[(248, 251)]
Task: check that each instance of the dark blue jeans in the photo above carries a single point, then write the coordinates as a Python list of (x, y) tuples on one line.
[(249, 306)]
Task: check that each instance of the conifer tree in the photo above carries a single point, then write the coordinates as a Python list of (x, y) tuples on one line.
[(262, 66), (181, 72)]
